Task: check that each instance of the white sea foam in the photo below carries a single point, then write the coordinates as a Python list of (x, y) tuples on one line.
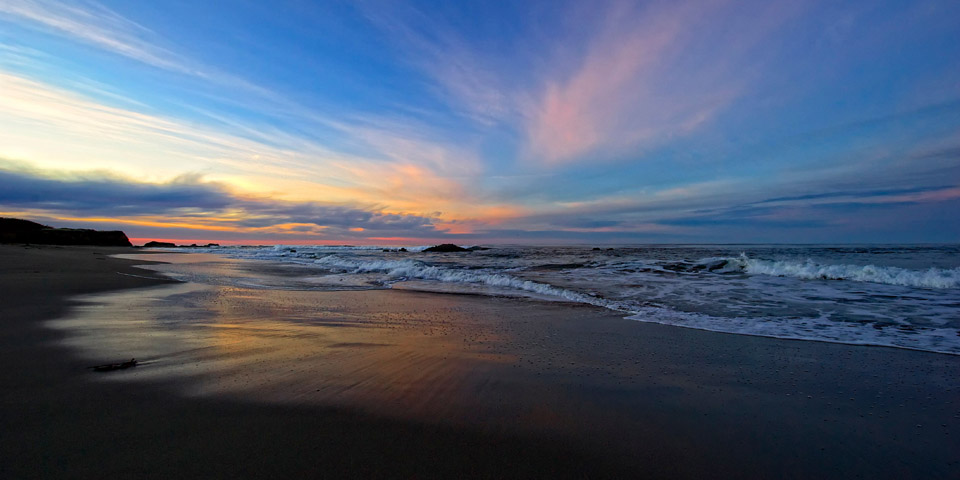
[(335, 248), (810, 270), (941, 340), (412, 269)]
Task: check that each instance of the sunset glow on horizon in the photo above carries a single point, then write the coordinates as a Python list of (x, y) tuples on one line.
[(411, 123)]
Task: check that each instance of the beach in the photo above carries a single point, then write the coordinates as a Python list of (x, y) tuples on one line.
[(254, 382)]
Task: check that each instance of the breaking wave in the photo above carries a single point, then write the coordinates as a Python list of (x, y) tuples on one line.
[(327, 248), (411, 269), (810, 270)]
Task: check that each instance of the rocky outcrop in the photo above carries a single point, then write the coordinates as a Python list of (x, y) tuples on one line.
[(154, 243), (446, 248), (159, 244), (15, 230)]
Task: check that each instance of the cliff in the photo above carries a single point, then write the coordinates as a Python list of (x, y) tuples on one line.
[(15, 230)]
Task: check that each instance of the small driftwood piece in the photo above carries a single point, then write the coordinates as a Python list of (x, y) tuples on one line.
[(107, 367)]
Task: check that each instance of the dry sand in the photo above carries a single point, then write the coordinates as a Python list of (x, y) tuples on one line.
[(264, 383)]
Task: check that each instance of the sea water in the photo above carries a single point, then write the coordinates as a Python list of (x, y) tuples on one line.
[(898, 296)]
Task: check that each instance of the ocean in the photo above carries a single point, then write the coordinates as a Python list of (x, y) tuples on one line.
[(905, 296)]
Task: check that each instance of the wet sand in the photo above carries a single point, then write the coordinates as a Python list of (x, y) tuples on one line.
[(243, 382)]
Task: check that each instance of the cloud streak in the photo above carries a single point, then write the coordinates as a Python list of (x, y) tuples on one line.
[(463, 76), (95, 24), (628, 89), (651, 74)]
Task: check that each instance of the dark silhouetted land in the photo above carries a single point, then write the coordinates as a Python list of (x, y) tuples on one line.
[(15, 230)]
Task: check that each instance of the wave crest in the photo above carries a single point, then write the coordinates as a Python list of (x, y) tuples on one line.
[(810, 270), (407, 269)]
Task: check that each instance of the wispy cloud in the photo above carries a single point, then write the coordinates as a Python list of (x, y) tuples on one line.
[(460, 73), (651, 73), (47, 120), (647, 73), (96, 24)]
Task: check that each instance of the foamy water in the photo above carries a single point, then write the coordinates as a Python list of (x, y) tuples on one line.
[(810, 270), (900, 296)]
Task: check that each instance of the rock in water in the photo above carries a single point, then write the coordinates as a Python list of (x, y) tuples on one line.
[(159, 244), (445, 248)]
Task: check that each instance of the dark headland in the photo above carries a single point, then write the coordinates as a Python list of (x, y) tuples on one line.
[(15, 230)]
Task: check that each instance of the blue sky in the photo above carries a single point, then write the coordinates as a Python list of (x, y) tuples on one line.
[(484, 122)]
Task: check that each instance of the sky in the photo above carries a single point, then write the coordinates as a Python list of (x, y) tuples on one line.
[(524, 122)]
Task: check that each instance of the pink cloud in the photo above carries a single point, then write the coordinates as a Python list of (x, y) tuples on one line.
[(648, 75)]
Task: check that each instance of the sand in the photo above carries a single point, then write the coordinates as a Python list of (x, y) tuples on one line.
[(237, 382)]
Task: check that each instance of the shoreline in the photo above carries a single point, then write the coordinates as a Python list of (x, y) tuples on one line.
[(639, 398), (63, 421), (624, 314)]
